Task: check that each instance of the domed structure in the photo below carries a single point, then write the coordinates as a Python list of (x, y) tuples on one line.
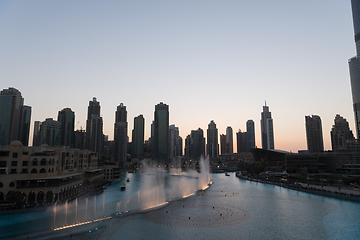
[(16, 143)]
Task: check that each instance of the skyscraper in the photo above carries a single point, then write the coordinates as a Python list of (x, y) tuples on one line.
[(36, 134), (354, 65), (241, 141), (223, 144), (267, 129), (175, 142), (212, 147), (94, 128), (14, 117), (250, 135), (161, 132), (340, 133), (314, 134), (229, 140), (138, 137), (67, 119), (50, 132), (120, 135), (196, 144)]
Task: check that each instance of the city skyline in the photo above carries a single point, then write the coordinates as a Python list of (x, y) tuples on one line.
[(206, 60)]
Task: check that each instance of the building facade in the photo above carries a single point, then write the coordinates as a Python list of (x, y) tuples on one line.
[(138, 137), (120, 136), (267, 129), (161, 133), (212, 146), (340, 133), (241, 138), (175, 142), (67, 119), (50, 132), (354, 66), (94, 128), (14, 117), (250, 135), (229, 140), (314, 134)]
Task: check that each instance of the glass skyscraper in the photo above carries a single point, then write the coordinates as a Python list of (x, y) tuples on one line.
[(267, 129), (161, 132), (354, 65)]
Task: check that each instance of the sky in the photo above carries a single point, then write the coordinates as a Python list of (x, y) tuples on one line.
[(207, 59)]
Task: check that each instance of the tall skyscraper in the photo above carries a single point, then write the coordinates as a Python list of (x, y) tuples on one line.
[(67, 119), (354, 65), (340, 133), (314, 134), (223, 144), (241, 141), (212, 147), (14, 117), (120, 135), (267, 129), (250, 135), (50, 132), (138, 137), (195, 144), (161, 132), (175, 142), (94, 128), (36, 134), (229, 140)]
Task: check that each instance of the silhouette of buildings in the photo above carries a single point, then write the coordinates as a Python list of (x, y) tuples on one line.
[(267, 129), (67, 119), (50, 132), (354, 66), (195, 144), (36, 134), (175, 142), (212, 147), (340, 133), (241, 138), (223, 145), (314, 134), (229, 141), (120, 135), (250, 135), (94, 128), (14, 117), (138, 137), (161, 133)]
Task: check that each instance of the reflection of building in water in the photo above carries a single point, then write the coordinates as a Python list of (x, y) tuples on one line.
[(46, 174)]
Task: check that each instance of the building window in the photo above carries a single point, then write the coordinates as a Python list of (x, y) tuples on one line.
[(34, 170), (25, 153), (25, 163), (4, 153), (15, 155), (12, 184), (13, 163), (24, 170), (2, 163), (43, 162), (2, 171), (1, 185), (13, 171), (34, 162), (42, 170)]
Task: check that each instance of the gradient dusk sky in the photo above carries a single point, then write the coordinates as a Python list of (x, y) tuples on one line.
[(208, 60)]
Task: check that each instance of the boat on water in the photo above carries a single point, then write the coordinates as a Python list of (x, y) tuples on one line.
[(128, 179), (123, 187), (227, 174)]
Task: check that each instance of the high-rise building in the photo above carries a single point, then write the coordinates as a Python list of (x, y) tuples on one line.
[(138, 137), (120, 135), (267, 129), (223, 144), (79, 139), (50, 132), (195, 144), (314, 134), (340, 133), (14, 117), (175, 142), (212, 147), (354, 65), (161, 132), (241, 139), (67, 119), (94, 128), (250, 135), (36, 135), (25, 125), (229, 140)]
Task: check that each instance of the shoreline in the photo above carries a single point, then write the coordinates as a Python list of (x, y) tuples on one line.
[(311, 189)]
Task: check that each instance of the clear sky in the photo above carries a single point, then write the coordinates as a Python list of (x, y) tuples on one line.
[(208, 60)]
